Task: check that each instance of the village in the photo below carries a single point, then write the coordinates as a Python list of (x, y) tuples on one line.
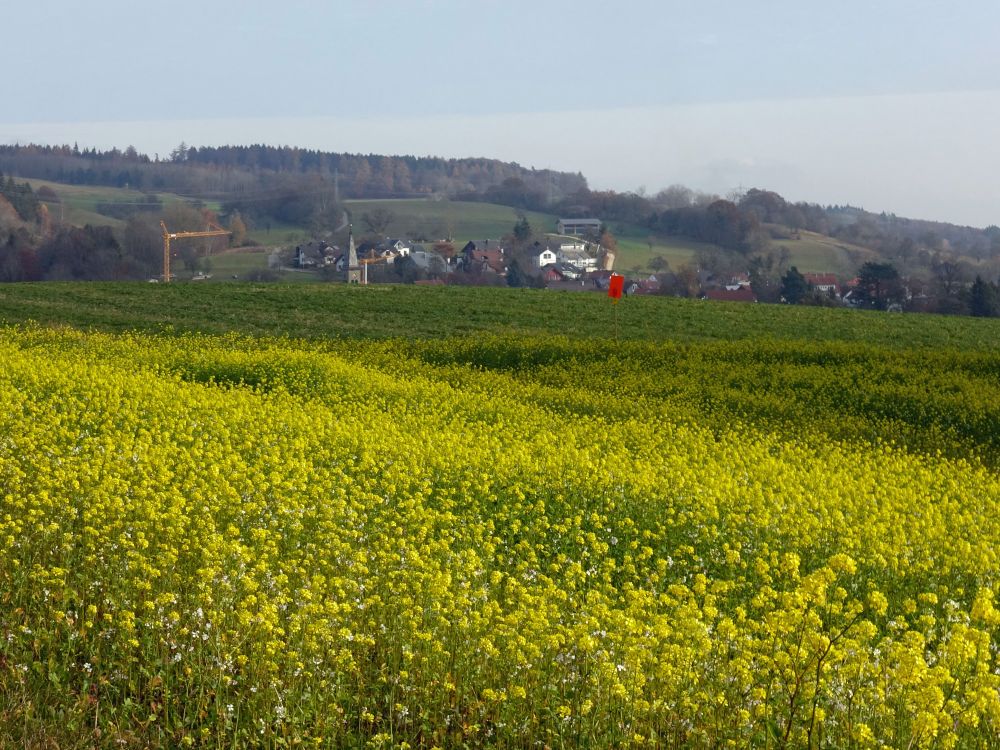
[(572, 258)]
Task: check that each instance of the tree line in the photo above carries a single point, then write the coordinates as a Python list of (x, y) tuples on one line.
[(236, 171)]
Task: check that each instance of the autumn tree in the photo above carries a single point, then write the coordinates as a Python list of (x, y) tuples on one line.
[(607, 240), (238, 229), (687, 283)]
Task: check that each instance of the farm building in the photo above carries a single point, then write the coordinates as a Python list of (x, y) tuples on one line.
[(578, 227)]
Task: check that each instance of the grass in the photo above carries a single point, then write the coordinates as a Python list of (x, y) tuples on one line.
[(278, 234), (318, 311), (78, 203), (636, 253), (817, 253), (237, 262)]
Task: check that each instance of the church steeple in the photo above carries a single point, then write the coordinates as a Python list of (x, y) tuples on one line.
[(353, 270)]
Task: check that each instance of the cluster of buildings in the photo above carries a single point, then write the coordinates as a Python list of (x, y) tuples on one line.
[(568, 260), (556, 259), (738, 289)]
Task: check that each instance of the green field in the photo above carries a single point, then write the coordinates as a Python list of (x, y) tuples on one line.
[(817, 253), (78, 203), (315, 515), (238, 262), (634, 251), (318, 310)]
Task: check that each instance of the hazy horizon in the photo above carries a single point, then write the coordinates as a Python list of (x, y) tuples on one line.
[(885, 105)]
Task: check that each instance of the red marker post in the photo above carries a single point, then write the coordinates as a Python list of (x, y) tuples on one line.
[(616, 285)]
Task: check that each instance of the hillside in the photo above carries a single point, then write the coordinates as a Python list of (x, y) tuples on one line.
[(81, 204), (428, 218)]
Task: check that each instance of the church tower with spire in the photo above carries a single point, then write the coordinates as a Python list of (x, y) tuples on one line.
[(353, 270)]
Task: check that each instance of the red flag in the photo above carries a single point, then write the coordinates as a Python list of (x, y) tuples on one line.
[(615, 286)]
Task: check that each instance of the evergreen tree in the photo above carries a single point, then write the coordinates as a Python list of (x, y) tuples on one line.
[(516, 276), (522, 231), (879, 285), (794, 287), (984, 299)]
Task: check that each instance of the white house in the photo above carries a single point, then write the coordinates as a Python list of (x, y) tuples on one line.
[(579, 258), (542, 256), (399, 247)]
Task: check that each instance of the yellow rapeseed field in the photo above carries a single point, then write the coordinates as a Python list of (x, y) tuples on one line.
[(230, 542)]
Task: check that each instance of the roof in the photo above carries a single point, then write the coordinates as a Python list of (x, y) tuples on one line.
[(538, 249), (483, 245), (494, 258), (315, 247), (821, 279), (487, 255), (649, 286), (594, 222)]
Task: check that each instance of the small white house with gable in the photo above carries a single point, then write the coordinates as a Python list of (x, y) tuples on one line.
[(542, 256), (401, 248)]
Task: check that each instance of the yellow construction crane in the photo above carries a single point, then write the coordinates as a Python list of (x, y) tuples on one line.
[(216, 231), (370, 260)]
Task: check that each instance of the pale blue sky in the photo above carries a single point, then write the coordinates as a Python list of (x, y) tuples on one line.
[(821, 102)]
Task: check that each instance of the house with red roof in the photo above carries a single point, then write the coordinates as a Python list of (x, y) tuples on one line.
[(823, 282)]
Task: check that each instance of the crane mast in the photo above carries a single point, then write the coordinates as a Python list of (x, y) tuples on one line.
[(217, 231)]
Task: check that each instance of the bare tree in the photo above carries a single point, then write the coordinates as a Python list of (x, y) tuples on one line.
[(659, 263), (675, 196), (949, 276), (378, 220)]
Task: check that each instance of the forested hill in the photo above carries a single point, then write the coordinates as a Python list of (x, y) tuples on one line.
[(232, 169)]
